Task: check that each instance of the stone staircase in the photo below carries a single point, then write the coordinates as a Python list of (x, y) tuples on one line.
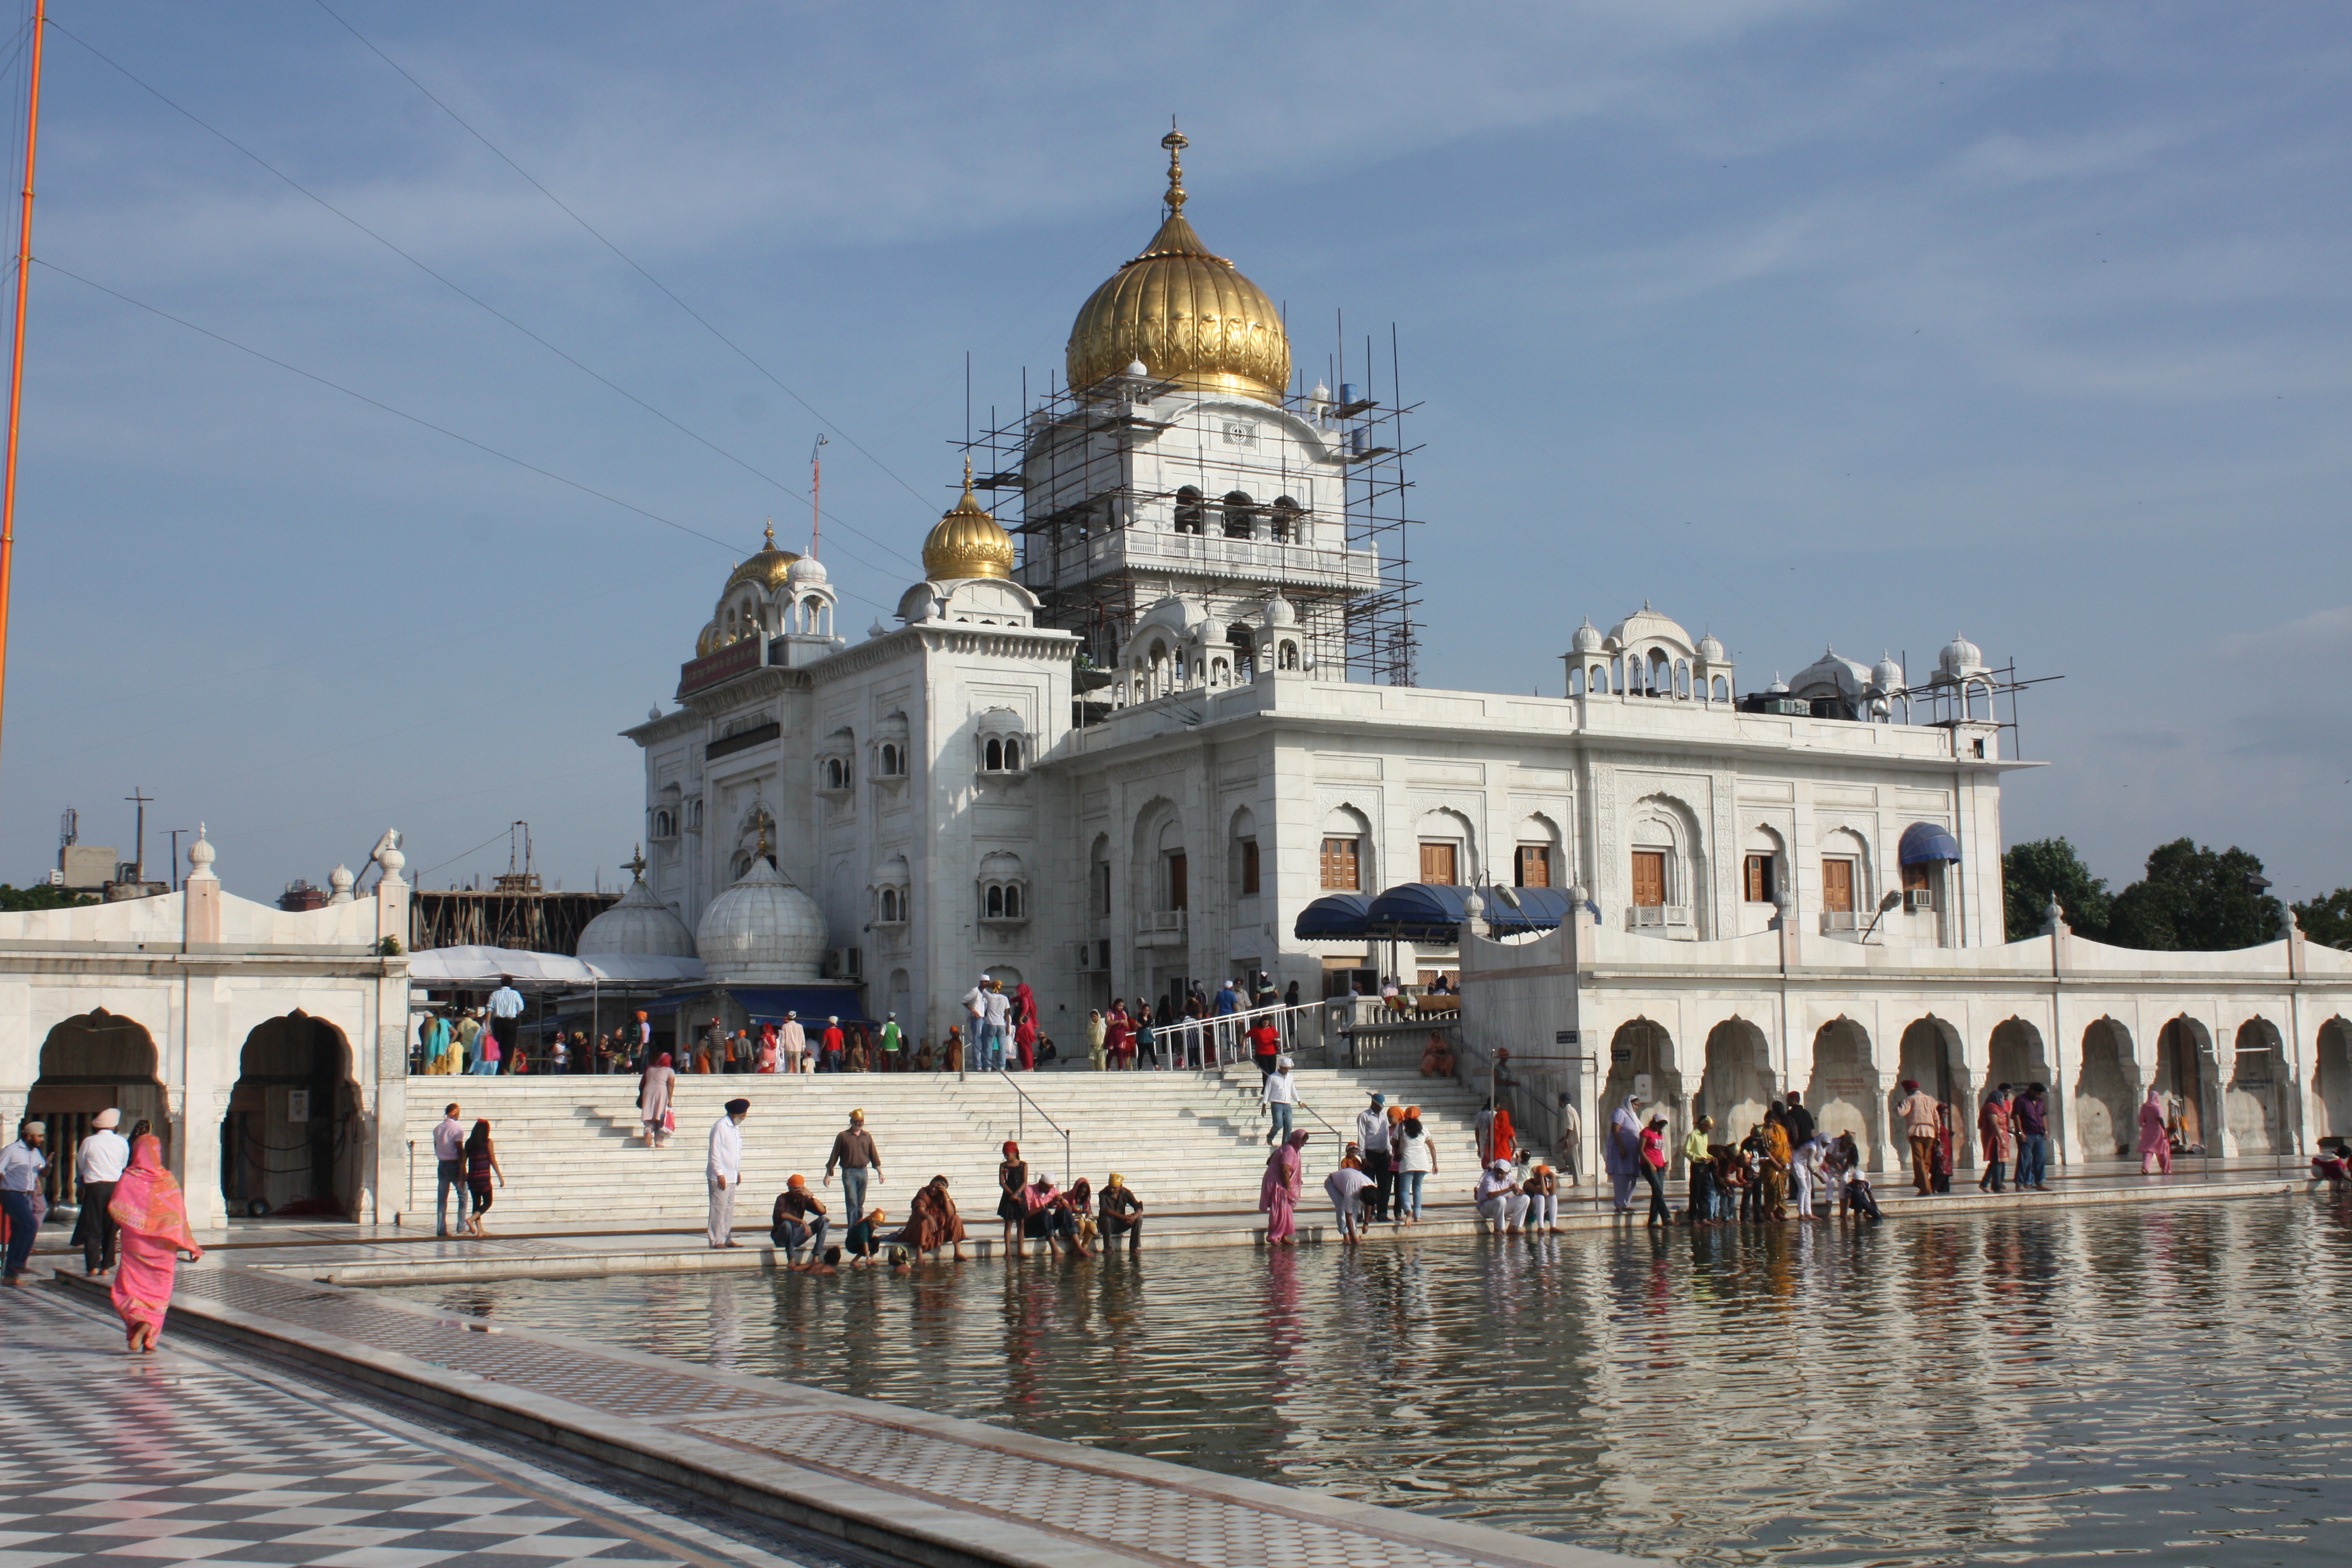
[(573, 1152)]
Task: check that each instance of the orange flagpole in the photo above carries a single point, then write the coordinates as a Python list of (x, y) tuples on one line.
[(16, 360)]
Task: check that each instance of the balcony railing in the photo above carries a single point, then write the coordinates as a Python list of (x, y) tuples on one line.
[(1160, 928), (1212, 551)]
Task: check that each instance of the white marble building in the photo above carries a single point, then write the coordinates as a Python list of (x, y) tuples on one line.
[(934, 790)]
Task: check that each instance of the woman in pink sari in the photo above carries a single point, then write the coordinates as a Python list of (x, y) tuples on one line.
[(1277, 1194), (153, 1214), (2155, 1137)]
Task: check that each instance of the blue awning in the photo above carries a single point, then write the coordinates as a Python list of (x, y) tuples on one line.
[(1928, 844), (1432, 912), (1333, 917)]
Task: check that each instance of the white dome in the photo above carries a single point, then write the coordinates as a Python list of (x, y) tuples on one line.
[(1888, 674), (1587, 638), (1646, 622), (1711, 651), (1135, 368), (1960, 657), (762, 932), (640, 923), (1778, 687), (1278, 612), (806, 570)]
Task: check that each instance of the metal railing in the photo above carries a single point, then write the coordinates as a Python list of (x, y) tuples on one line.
[(1221, 1041), (1020, 1120)]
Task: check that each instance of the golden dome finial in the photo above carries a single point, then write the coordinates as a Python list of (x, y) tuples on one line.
[(771, 533), (969, 541), (1184, 311), (1175, 142)]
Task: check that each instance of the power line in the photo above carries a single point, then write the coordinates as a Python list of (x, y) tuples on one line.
[(386, 407), (468, 296), (627, 258)]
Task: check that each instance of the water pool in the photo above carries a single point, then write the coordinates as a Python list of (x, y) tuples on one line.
[(2165, 1385)]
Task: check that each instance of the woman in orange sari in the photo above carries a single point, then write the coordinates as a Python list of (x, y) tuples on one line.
[(153, 1214)]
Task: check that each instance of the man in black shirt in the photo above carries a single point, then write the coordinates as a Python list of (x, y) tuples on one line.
[(1800, 1121)]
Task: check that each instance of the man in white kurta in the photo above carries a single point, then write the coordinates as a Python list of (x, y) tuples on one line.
[(725, 1171)]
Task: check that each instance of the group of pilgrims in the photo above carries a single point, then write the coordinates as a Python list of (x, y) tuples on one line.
[(1785, 1166)]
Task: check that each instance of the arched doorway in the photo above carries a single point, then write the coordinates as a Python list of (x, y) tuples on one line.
[(1737, 1085), (2333, 1079), (1844, 1089), (1641, 1053), (2106, 1091), (95, 1062), (1930, 1056), (2187, 1073), (2015, 1056), (2257, 1119), (290, 1141)]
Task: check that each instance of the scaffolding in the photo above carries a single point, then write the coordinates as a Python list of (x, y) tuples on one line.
[(1072, 451)]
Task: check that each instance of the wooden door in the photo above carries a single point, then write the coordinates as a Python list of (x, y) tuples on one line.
[(1437, 863), (1837, 887), (1648, 879)]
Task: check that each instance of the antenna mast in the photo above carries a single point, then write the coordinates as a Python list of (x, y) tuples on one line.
[(17, 369), (816, 488)]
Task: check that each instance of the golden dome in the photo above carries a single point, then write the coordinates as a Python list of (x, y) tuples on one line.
[(767, 568), (1186, 314), (968, 541)]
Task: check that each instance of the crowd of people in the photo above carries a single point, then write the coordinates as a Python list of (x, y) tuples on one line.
[(133, 1222)]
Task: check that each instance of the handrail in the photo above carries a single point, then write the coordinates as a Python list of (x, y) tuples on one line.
[(1226, 1032), (1022, 1124)]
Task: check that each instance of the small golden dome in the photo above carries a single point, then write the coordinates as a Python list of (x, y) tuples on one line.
[(767, 568), (968, 541), (1186, 314)]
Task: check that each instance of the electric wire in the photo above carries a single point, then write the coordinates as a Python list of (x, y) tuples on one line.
[(628, 260), (471, 298)]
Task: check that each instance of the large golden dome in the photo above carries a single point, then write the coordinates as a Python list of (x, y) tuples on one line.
[(767, 568), (1186, 314), (967, 541)]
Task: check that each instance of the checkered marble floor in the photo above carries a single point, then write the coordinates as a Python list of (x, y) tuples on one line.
[(178, 1457)]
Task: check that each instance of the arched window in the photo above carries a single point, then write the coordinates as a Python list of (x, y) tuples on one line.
[(1722, 689), (994, 757), (1191, 515), (1286, 520), (836, 774), (995, 906), (1013, 901), (1241, 515), (894, 761), (1012, 756), (694, 816), (1289, 654), (1681, 678), (1576, 683), (1003, 887), (890, 906)]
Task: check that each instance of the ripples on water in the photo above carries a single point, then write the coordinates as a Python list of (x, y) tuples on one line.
[(2166, 1385)]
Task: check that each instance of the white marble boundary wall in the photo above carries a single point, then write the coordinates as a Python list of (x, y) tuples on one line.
[(1831, 1016)]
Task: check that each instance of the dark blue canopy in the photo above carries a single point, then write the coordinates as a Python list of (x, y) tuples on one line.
[(1333, 916), (1432, 912), (1927, 844)]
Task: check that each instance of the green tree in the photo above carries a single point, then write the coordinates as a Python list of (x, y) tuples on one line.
[(2327, 919), (2195, 899), (2032, 874), (40, 896)]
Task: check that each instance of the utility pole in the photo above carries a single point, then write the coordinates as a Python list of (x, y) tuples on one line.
[(139, 850), (17, 367), (175, 857)]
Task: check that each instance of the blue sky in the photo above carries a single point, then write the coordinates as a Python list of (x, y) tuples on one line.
[(1811, 322)]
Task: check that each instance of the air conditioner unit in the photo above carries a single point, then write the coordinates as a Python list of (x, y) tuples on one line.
[(842, 964), (1840, 920), (1094, 957), (1915, 899)]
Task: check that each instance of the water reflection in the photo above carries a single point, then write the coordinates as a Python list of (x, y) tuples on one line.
[(2075, 1383)]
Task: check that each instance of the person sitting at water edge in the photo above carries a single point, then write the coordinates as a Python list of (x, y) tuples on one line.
[(1047, 1219), (1500, 1202), (1012, 1206), (1542, 1188), (798, 1220), (1118, 1212), (932, 1221)]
